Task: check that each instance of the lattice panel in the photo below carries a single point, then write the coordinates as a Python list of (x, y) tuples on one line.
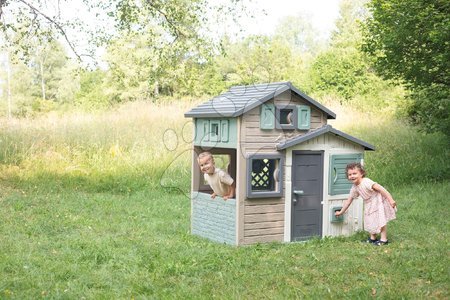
[(262, 170)]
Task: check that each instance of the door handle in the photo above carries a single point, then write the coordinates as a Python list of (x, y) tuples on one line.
[(299, 192)]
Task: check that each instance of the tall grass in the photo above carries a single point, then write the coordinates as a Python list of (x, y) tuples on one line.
[(83, 215), (125, 149), (142, 144), (403, 154)]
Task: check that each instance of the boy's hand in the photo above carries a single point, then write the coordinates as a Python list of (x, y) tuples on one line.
[(337, 213), (213, 195), (226, 198)]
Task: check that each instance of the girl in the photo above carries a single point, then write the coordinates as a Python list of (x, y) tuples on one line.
[(379, 206)]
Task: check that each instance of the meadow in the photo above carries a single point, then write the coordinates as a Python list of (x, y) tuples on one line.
[(95, 206)]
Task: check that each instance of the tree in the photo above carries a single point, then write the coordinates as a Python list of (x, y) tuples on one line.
[(257, 59), (299, 33), (184, 23), (409, 41), (342, 69)]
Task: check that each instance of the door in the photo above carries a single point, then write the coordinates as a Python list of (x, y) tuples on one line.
[(307, 190)]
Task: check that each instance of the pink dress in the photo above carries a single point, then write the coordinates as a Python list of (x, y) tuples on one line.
[(377, 210)]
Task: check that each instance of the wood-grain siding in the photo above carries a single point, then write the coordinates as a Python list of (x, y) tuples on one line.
[(264, 218)]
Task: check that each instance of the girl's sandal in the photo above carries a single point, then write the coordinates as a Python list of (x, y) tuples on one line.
[(370, 241), (381, 243)]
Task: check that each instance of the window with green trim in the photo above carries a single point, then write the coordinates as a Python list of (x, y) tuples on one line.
[(338, 181), (264, 175)]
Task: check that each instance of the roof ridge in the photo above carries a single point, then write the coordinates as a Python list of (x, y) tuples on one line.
[(261, 84)]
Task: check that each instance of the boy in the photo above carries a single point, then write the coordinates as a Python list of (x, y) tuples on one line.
[(219, 180)]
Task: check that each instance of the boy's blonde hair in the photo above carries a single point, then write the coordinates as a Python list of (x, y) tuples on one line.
[(355, 165)]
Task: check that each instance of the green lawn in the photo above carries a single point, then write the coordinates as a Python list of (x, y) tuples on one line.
[(58, 242)]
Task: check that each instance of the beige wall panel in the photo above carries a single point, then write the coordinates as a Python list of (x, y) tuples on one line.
[(260, 209), (258, 147), (263, 239), (263, 225), (266, 201), (264, 217), (240, 189), (268, 231), (284, 97)]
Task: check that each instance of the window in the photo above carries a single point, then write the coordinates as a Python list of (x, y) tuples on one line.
[(214, 133), (286, 117), (224, 159), (338, 182), (264, 175), (221, 161)]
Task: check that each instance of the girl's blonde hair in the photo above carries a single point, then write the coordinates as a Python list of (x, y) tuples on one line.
[(355, 165)]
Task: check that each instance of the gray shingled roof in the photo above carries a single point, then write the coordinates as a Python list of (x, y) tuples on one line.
[(315, 133), (240, 99)]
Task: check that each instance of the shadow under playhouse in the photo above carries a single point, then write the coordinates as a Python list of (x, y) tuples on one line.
[(288, 165)]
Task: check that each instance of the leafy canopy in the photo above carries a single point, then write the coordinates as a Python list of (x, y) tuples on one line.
[(409, 41)]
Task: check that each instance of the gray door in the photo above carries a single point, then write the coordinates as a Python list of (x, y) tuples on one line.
[(307, 189)]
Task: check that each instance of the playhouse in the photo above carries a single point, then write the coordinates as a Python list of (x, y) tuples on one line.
[(287, 162)]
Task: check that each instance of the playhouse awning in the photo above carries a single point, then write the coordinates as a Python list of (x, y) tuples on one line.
[(318, 132), (240, 99)]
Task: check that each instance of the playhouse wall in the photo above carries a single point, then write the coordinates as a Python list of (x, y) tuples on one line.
[(214, 219), (353, 219), (254, 138), (263, 220)]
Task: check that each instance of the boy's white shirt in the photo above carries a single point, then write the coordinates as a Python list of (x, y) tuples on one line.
[(219, 181)]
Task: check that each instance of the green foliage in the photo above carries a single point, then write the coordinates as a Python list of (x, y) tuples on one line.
[(341, 71), (299, 34), (429, 107), (408, 40), (43, 82), (91, 94), (404, 156), (258, 59)]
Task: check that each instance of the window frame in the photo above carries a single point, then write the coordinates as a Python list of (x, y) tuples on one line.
[(278, 192), (205, 188), (278, 109)]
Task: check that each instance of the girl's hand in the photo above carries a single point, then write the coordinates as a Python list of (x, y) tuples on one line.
[(393, 204), (337, 213), (213, 195)]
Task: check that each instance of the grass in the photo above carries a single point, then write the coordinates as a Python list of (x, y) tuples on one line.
[(95, 206), (71, 244)]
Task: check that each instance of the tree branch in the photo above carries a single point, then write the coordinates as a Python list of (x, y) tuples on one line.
[(56, 24), (172, 25)]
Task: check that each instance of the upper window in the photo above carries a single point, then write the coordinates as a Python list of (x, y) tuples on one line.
[(264, 175), (286, 117)]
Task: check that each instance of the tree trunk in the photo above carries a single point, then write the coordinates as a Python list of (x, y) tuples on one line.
[(9, 84), (42, 78)]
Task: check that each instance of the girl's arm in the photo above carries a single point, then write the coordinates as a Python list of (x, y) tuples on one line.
[(385, 194), (345, 207)]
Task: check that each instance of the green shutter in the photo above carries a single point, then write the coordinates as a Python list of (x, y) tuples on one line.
[(304, 117), (214, 132), (338, 182), (224, 129), (205, 127), (267, 119)]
